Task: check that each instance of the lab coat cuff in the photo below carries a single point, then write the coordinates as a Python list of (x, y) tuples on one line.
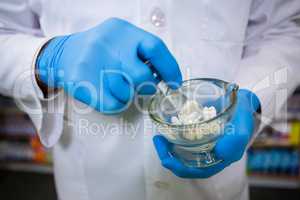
[(45, 113), (49, 123)]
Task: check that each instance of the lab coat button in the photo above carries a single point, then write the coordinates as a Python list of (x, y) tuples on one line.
[(158, 17), (161, 185)]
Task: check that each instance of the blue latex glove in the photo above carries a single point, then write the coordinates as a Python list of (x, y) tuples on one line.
[(104, 66), (230, 148)]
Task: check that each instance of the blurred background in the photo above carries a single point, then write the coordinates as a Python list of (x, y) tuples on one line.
[(26, 167)]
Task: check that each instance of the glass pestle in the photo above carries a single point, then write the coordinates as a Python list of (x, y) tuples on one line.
[(173, 99)]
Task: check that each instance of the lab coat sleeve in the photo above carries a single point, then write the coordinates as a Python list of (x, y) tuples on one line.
[(271, 58), (20, 40)]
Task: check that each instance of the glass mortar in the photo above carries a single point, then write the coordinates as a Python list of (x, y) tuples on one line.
[(207, 92)]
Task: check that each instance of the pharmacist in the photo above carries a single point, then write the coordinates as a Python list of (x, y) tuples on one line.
[(54, 53)]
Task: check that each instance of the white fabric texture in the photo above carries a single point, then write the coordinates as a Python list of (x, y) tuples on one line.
[(254, 43)]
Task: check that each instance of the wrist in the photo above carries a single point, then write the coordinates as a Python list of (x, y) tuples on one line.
[(46, 66)]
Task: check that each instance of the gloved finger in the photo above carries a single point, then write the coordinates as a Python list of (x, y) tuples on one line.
[(82, 91), (141, 76), (120, 85), (237, 132), (147, 88), (208, 171), (154, 50), (99, 99), (108, 103), (162, 147), (253, 100), (180, 170)]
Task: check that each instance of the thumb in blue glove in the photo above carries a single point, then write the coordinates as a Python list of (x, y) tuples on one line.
[(104, 66), (230, 148)]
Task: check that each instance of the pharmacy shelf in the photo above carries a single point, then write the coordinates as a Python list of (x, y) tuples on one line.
[(274, 182), (27, 167), (269, 143)]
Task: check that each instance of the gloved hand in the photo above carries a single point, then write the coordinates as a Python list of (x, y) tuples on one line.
[(230, 148), (104, 66)]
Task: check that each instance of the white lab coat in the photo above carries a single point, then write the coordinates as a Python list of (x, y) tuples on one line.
[(255, 43)]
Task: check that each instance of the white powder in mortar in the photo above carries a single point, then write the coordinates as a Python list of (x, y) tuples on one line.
[(192, 112)]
